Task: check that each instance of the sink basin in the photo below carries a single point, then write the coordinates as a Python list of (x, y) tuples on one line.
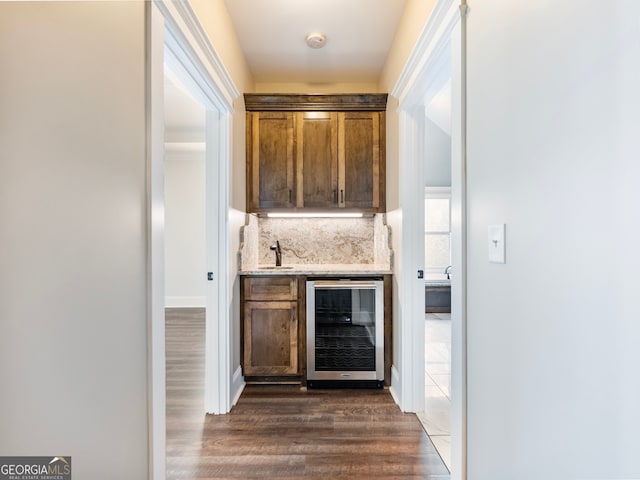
[(275, 268)]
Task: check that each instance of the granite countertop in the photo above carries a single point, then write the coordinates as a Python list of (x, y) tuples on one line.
[(434, 279), (321, 269)]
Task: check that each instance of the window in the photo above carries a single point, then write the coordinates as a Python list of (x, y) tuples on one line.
[(437, 234)]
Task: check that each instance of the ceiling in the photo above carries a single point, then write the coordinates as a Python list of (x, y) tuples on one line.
[(277, 53), (272, 36), (182, 112)]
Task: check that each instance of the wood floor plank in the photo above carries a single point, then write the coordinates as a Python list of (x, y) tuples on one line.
[(283, 431)]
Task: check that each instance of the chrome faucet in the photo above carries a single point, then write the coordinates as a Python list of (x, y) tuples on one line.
[(447, 272), (276, 248)]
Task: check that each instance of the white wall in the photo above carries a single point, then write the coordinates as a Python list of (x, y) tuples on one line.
[(185, 257), (437, 145), (317, 88), (414, 17), (73, 327), (553, 383)]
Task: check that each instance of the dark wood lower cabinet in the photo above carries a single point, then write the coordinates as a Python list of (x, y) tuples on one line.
[(270, 328), (271, 338)]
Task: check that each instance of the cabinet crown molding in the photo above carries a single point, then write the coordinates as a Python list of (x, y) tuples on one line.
[(262, 102)]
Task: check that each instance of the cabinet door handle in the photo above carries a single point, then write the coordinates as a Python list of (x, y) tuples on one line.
[(341, 196), (289, 195)]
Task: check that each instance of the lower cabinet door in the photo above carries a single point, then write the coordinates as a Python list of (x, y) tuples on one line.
[(270, 338)]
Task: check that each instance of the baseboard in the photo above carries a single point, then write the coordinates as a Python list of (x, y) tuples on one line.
[(395, 385), (237, 385), (185, 302)]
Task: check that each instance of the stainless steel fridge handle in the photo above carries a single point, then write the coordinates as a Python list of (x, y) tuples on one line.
[(344, 285)]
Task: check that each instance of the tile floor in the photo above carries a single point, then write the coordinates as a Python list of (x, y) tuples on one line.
[(436, 417)]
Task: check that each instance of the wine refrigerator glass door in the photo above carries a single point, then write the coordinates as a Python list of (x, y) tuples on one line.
[(345, 330)]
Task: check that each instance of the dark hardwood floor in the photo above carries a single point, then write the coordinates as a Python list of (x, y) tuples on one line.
[(281, 431)]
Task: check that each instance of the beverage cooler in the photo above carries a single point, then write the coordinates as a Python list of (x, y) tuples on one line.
[(345, 333)]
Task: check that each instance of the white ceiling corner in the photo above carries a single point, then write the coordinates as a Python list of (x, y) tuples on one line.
[(182, 112), (439, 109)]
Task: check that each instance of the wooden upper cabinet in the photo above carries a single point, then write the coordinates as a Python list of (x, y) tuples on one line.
[(270, 160), (316, 152)]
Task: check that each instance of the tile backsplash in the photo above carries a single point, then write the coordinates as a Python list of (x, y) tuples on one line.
[(306, 241)]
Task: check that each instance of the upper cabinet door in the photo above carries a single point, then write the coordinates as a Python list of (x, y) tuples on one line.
[(270, 161), (360, 151), (317, 159)]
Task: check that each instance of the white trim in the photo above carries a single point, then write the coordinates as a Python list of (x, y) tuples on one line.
[(459, 208), (428, 49), (185, 31), (218, 331), (155, 242), (185, 302), (442, 36), (215, 385), (237, 385), (395, 383), (411, 293), (185, 147), (437, 192)]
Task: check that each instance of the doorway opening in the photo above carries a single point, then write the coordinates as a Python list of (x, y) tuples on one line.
[(185, 193), (438, 59), (436, 416), (185, 247), (176, 41)]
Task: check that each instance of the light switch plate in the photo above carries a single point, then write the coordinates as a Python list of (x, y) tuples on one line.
[(496, 243)]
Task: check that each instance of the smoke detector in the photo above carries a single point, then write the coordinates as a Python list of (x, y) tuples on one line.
[(316, 40)]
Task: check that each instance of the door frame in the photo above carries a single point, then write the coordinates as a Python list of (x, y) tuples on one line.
[(444, 32), (174, 34)]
